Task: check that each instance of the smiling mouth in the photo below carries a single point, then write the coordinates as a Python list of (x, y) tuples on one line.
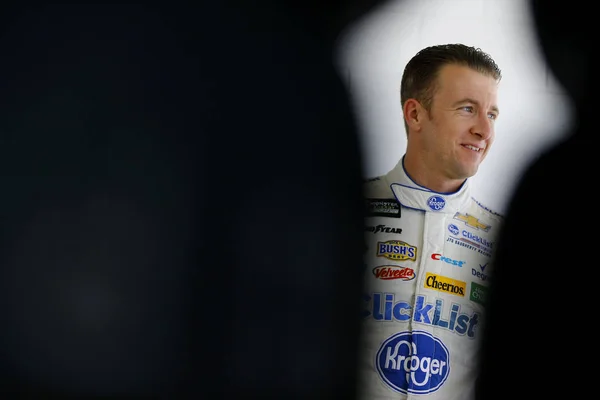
[(476, 149)]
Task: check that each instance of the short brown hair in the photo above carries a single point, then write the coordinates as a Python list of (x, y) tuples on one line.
[(419, 80)]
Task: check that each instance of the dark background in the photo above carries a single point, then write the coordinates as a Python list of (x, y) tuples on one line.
[(180, 208), (542, 302)]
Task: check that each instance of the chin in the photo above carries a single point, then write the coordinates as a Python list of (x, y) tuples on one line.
[(469, 172), (464, 170)]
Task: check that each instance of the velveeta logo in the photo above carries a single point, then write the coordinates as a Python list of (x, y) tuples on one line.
[(445, 284), (391, 272), (396, 250), (471, 221)]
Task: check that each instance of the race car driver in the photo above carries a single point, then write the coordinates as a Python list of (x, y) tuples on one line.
[(429, 243)]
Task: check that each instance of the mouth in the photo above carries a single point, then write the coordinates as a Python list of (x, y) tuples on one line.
[(473, 148)]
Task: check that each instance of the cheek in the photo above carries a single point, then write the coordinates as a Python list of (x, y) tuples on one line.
[(487, 149)]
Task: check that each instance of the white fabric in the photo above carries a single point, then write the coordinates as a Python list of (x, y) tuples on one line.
[(426, 275)]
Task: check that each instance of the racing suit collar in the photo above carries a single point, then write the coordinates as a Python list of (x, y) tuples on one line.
[(410, 194)]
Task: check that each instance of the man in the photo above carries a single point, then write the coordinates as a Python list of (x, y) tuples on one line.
[(428, 242)]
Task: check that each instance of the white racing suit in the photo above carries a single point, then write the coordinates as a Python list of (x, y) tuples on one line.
[(427, 269)]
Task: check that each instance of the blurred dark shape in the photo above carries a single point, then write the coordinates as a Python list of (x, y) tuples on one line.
[(542, 299), (181, 207)]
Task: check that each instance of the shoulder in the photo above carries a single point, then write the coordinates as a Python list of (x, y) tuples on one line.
[(484, 212), (377, 187), (477, 216), (379, 198), (487, 209)]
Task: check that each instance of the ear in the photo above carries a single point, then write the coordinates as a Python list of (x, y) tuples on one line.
[(413, 114)]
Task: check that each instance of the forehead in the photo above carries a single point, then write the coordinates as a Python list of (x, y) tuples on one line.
[(458, 81)]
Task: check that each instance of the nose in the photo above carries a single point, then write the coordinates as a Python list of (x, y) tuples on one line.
[(484, 127)]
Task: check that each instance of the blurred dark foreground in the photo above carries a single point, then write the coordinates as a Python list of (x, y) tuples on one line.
[(180, 208)]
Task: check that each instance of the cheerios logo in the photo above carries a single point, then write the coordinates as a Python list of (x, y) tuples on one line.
[(445, 284)]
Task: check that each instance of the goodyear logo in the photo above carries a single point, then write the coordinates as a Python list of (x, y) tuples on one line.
[(383, 229), (397, 250), (413, 362), (445, 284), (478, 293), (472, 221)]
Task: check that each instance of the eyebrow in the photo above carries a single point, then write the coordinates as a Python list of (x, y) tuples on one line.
[(472, 101)]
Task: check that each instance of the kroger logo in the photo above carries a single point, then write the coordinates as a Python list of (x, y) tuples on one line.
[(453, 229), (413, 362), (436, 203)]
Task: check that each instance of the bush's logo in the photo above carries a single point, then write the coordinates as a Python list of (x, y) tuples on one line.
[(396, 250), (453, 229), (445, 284), (471, 221), (413, 362), (478, 293), (436, 203), (390, 272)]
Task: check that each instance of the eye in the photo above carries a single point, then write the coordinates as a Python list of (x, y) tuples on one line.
[(493, 116), (467, 108)]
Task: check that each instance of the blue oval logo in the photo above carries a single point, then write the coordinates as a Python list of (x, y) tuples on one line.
[(453, 229), (413, 362), (436, 203)]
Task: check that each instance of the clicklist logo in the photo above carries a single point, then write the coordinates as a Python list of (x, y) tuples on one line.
[(469, 240), (413, 362), (384, 307)]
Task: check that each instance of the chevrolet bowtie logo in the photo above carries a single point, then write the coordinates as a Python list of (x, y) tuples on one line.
[(472, 221)]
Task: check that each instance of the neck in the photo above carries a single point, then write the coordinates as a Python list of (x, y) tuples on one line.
[(418, 169)]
